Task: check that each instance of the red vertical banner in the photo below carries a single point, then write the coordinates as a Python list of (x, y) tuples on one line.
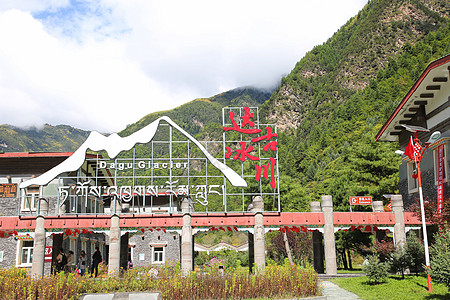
[(440, 173)]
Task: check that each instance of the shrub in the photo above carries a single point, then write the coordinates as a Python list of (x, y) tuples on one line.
[(384, 249), (377, 271), (440, 257), (415, 250), (400, 261)]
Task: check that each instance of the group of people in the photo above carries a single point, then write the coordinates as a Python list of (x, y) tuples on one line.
[(66, 262)]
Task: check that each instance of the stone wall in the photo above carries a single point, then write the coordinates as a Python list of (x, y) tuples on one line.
[(9, 248), (142, 250), (9, 206)]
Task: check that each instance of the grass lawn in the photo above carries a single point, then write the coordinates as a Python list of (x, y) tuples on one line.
[(352, 271), (410, 288)]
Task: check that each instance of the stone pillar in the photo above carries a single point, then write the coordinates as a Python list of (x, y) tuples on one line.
[(377, 206), (328, 232), (399, 227), (317, 238), (259, 244), (115, 207), (37, 267), (114, 246), (187, 241), (43, 207)]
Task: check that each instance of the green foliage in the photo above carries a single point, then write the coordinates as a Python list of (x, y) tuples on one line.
[(415, 250), (400, 261), (377, 271), (383, 249), (300, 245), (230, 259), (440, 257), (348, 241), (210, 238)]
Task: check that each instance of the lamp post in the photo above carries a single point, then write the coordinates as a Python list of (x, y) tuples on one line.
[(418, 150)]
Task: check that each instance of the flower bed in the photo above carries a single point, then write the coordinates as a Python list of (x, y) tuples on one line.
[(277, 282)]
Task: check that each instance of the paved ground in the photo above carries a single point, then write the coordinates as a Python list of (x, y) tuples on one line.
[(334, 292)]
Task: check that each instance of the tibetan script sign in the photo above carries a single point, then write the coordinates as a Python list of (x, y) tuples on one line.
[(360, 200), (126, 193), (8, 190)]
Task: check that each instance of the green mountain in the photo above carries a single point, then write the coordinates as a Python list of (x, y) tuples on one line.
[(49, 138), (336, 98), (200, 116)]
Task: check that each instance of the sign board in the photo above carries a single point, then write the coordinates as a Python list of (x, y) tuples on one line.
[(8, 190), (159, 166), (360, 200), (48, 253)]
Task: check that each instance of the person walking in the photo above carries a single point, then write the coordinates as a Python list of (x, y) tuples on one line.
[(61, 260), (82, 263), (69, 266), (96, 259)]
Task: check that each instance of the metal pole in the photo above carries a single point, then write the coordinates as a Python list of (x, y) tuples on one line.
[(424, 226)]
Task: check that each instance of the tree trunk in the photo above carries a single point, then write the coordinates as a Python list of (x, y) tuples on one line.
[(288, 249), (344, 260), (349, 254)]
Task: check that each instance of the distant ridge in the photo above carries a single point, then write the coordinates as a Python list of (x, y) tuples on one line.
[(193, 117)]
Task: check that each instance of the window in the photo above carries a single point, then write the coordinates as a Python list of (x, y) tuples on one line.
[(83, 246), (412, 182), (444, 170), (92, 247), (25, 253), (158, 255), (73, 246), (29, 201)]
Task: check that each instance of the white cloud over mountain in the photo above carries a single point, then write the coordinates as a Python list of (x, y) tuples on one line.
[(105, 64)]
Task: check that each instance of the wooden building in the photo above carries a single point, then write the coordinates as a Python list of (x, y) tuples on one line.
[(427, 104)]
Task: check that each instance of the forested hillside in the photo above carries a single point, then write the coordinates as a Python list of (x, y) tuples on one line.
[(49, 138), (336, 98), (203, 116)]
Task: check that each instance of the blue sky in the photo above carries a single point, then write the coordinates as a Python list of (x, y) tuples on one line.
[(100, 65)]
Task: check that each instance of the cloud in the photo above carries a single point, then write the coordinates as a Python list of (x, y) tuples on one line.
[(103, 65)]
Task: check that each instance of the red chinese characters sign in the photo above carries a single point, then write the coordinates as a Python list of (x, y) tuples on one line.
[(440, 172), (361, 200), (245, 150)]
